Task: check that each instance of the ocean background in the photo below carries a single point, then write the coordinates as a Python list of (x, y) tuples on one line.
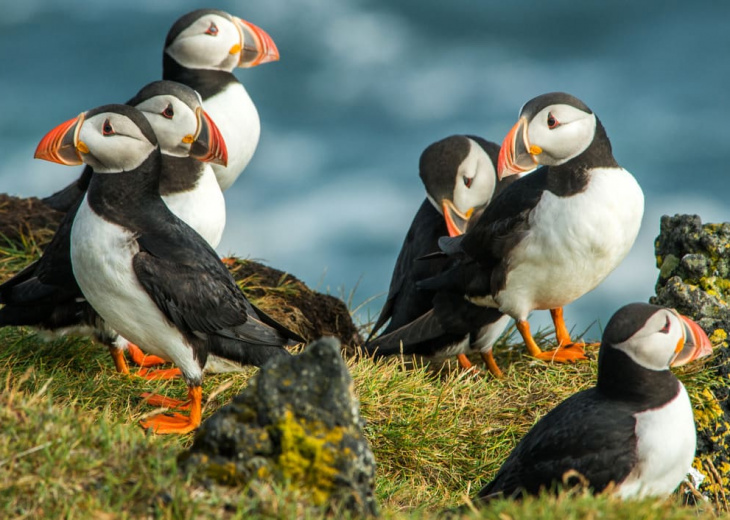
[(364, 86)]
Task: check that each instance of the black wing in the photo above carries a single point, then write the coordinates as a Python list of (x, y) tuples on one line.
[(195, 291), (405, 302), (450, 321), (586, 433)]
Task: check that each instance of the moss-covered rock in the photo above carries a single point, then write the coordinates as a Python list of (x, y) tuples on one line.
[(694, 278), (297, 423)]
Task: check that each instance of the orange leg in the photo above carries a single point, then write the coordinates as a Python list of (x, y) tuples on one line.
[(464, 362), (178, 423), (229, 261), (560, 355), (561, 331), (141, 359), (152, 375), (119, 361), (488, 358)]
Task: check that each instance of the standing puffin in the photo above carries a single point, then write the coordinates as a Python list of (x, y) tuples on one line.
[(460, 177), (45, 294), (201, 51), (147, 273), (634, 429), (553, 235)]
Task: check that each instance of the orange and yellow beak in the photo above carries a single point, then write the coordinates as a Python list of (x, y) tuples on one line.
[(456, 221), (256, 45), (517, 155), (208, 144), (61, 145), (694, 345)]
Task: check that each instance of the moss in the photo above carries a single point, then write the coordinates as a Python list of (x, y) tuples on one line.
[(309, 452), (668, 266)]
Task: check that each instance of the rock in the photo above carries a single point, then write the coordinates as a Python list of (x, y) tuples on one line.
[(298, 424), (694, 272)]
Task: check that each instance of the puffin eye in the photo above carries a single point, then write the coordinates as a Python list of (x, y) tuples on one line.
[(468, 181), (169, 113), (212, 30), (666, 327), (106, 128), (551, 121)]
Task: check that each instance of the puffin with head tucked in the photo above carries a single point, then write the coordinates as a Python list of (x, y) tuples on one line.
[(202, 49), (148, 274), (635, 429), (459, 174), (552, 235), (45, 294)]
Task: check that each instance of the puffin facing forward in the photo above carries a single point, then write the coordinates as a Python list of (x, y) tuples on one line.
[(460, 177), (149, 275), (634, 429), (553, 235), (45, 294), (202, 49)]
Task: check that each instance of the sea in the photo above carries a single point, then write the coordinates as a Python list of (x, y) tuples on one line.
[(363, 86)]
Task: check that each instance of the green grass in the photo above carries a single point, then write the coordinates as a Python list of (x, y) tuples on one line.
[(70, 446)]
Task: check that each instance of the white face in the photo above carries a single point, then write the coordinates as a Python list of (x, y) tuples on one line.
[(114, 142), (475, 179), (209, 43), (174, 122), (562, 131), (655, 345)]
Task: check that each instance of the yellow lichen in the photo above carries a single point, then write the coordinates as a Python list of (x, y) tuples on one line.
[(718, 337), (309, 452)]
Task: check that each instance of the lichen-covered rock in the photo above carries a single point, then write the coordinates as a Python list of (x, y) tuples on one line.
[(297, 423), (694, 278)]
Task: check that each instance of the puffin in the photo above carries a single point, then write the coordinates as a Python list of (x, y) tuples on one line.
[(201, 50), (149, 275), (459, 174), (550, 236), (634, 430), (45, 294)]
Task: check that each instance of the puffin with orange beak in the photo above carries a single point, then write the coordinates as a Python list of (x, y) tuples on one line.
[(143, 270), (635, 429), (45, 294), (202, 50), (553, 235), (460, 177)]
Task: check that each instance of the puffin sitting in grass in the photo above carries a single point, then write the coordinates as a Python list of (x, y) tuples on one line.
[(150, 276), (553, 235), (459, 173), (634, 430)]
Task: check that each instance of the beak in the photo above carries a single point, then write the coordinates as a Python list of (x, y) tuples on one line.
[(61, 145), (696, 344), (256, 46), (517, 155), (208, 145), (456, 221)]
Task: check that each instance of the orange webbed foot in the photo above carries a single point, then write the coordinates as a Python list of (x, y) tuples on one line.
[(152, 375), (229, 261), (567, 354), (141, 359), (166, 402), (176, 422)]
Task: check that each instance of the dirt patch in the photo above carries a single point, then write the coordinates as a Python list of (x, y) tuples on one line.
[(24, 219)]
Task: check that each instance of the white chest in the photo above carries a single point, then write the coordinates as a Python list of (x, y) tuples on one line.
[(101, 256), (236, 117), (203, 208), (665, 449), (573, 243)]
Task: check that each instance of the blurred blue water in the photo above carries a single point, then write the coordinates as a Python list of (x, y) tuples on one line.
[(364, 86)]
